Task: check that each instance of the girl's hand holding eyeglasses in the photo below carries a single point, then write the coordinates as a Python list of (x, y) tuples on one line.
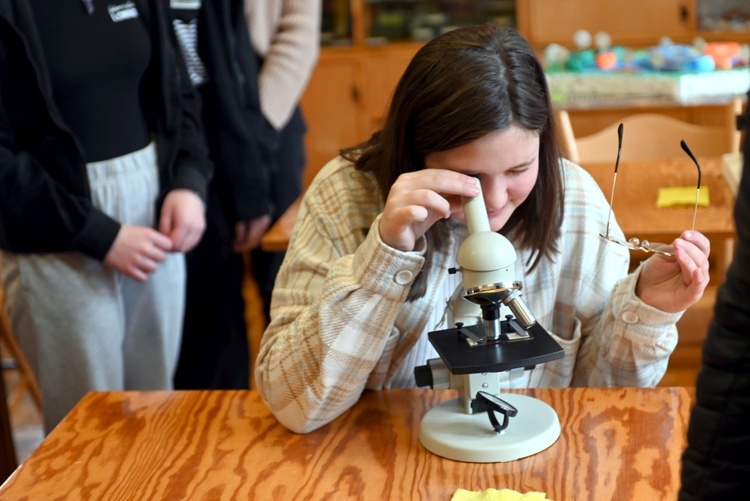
[(674, 283)]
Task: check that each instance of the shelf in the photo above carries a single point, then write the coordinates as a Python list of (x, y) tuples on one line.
[(381, 22)]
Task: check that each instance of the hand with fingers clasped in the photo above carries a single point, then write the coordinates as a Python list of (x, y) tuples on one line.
[(419, 199), (137, 251), (674, 283)]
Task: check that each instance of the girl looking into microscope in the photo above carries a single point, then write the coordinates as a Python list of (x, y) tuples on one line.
[(366, 273)]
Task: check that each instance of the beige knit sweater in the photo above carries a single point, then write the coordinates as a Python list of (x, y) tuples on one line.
[(286, 33)]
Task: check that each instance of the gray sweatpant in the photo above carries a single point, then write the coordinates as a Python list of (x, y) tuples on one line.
[(82, 325)]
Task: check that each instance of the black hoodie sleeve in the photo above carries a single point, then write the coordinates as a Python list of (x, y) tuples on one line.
[(44, 195)]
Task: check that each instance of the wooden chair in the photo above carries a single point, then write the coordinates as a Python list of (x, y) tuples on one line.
[(650, 136), (27, 381), (8, 460)]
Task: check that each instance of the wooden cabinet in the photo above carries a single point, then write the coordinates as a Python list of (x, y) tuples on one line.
[(636, 23), (381, 71), (332, 107), (351, 87), (348, 97), (633, 23), (628, 22)]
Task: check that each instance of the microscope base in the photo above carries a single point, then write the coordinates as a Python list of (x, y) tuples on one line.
[(448, 431)]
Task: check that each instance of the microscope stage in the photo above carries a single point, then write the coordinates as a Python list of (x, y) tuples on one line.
[(463, 358)]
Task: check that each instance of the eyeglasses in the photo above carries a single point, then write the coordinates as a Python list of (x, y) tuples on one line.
[(645, 245)]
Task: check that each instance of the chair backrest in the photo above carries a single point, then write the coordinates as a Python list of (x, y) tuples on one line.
[(650, 136)]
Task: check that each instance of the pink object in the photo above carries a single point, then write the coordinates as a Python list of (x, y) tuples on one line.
[(724, 54), (606, 60)]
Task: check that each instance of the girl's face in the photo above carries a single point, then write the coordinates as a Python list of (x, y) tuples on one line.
[(507, 164)]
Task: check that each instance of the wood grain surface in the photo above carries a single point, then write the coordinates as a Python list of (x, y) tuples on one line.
[(615, 444)]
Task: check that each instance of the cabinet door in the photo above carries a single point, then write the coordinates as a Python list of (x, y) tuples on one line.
[(332, 105), (628, 22), (381, 70)]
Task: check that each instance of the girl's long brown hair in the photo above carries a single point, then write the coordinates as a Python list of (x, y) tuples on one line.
[(458, 88)]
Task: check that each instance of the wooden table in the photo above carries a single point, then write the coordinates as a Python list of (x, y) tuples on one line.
[(620, 443), (276, 239)]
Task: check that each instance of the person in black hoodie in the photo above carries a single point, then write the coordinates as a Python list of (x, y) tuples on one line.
[(216, 45), (716, 462), (103, 172)]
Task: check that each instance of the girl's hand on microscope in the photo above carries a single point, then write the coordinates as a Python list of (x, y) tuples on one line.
[(673, 283), (417, 200)]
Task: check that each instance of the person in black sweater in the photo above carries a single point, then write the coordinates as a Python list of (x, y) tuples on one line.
[(215, 43), (103, 172), (716, 463)]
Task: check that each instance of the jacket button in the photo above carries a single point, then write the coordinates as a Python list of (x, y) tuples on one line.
[(629, 317), (403, 277)]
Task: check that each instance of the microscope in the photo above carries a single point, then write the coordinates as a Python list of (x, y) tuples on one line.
[(496, 337)]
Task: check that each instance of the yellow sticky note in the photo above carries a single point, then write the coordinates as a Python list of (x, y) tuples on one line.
[(497, 495), (669, 197)]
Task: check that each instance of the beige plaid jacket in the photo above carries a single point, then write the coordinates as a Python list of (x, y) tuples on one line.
[(341, 324)]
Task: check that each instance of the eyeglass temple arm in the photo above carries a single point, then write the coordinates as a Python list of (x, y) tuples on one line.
[(614, 178), (685, 148)]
